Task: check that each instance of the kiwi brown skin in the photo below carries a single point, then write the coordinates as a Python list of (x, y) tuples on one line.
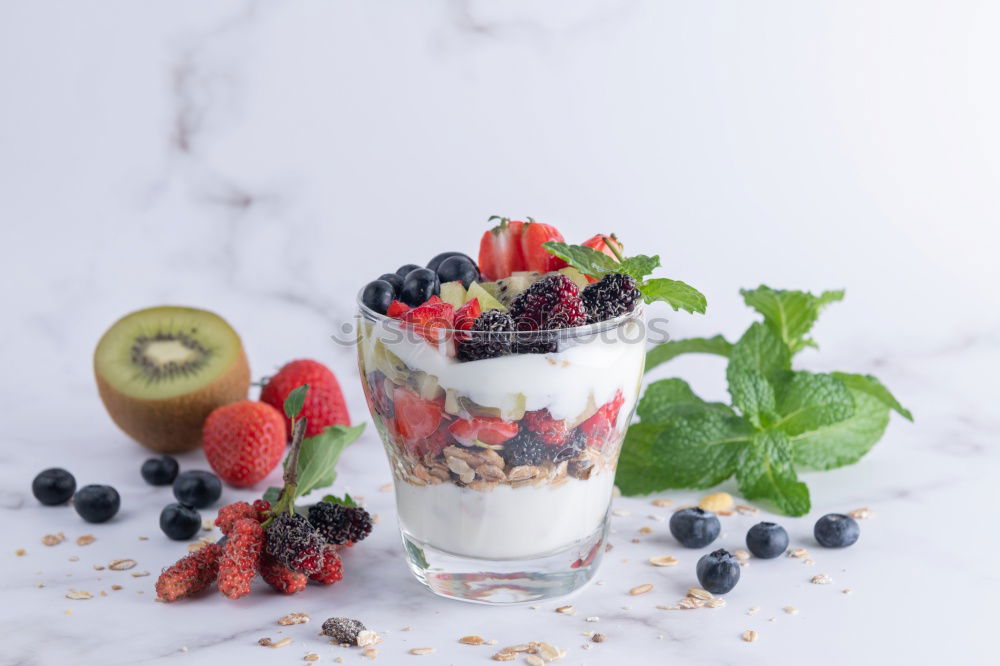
[(173, 425)]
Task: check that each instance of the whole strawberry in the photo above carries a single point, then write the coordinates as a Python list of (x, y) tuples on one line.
[(324, 405), (244, 441)]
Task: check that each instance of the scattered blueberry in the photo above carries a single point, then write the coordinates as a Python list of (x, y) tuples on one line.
[(394, 280), (197, 488), (835, 530), (180, 521), (160, 471), (767, 540), (695, 528), (436, 261), (405, 269), (418, 286), (377, 295), (97, 504), (718, 572), (459, 268), (53, 486)]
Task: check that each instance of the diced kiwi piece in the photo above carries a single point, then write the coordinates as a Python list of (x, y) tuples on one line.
[(576, 276), (486, 301), (389, 364), (516, 411), (492, 288), (475, 409), (453, 293), (534, 275), (512, 286), (426, 385), (451, 403), (161, 372)]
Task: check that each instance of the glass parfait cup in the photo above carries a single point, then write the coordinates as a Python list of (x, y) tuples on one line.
[(503, 467)]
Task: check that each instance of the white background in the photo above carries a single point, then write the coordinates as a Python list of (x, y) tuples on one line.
[(265, 159)]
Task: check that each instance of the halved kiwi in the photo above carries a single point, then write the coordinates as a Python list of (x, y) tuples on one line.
[(161, 371)]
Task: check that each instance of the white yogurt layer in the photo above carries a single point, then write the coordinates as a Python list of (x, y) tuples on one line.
[(506, 522), (564, 382)]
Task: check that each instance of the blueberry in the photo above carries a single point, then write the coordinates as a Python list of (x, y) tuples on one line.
[(405, 269), (767, 540), (459, 268), (97, 504), (377, 296), (695, 528), (159, 471), (197, 488), (418, 286), (718, 572), (180, 521), (835, 530), (53, 486), (438, 259), (394, 280)]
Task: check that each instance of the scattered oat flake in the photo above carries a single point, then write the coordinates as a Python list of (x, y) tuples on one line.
[(98, 567), (690, 603), (749, 635), (504, 656), (534, 660), (741, 554), (753, 610), (716, 502), (367, 638), (407, 629), (74, 558), (861, 514), (846, 590), (85, 540), (53, 539), (566, 610), (663, 561), (287, 640), (550, 653), (622, 512), (821, 579), (208, 524), (293, 618), (471, 640), (116, 587), (791, 610), (718, 602), (645, 530), (641, 589), (700, 593), (798, 552), (122, 565), (144, 538), (20, 552), (79, 595), (312, 656), (139, 574), (661, 502), (593, 618), (339, 660), (370, 653), (422, 651), (745, 510)]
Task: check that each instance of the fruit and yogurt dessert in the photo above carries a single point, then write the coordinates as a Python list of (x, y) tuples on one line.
[(502, 390)]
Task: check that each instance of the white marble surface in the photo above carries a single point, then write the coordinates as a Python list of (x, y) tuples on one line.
[(264, 159)]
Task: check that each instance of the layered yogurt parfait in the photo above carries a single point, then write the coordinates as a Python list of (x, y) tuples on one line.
[(502, 390)]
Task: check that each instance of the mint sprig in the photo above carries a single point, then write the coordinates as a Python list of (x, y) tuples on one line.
[(590, 262), (781, 419)]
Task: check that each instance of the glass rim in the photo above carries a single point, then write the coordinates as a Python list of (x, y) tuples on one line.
[(572, 331)]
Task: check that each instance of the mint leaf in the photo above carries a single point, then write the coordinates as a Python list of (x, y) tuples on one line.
[(696, 450), (347, 500), (666, 351), (586, 260), (844, 442), (294, 401), (790, 314), (668, 398), (758, 362), (876, 389), (678, 295), (638, 266), (765, 472), (809, 401), (319, 455), (272, 494)]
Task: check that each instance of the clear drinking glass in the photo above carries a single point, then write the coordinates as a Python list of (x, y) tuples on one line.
[(486, 516)]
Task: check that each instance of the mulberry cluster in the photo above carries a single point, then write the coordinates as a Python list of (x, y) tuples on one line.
[(492, 337), (612, 296), (340, 524), (190, 574)]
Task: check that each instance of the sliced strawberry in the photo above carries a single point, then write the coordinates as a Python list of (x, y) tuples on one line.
[(466, 316), (597, 429), (536, 258), (415, 418), (433, 300), (500, 250), (427, 320), (552, 432), (603, 243), (612, 408), (397, 309), (487, 430)]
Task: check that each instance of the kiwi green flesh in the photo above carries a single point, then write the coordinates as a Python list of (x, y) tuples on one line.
[(164, 352)]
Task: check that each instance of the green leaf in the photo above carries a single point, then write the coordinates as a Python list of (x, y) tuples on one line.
[(809, 401), (696, 450), (758, 362), (346, 500), (765, 472), (319, 455), (294, 402), (678, 295), (638, 266), (876, 389), (668, 398), (586, 260), (844, 442), (272, 494), (790, 314), (666, 351)]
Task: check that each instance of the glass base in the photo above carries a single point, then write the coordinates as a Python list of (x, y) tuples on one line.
[(513, 581)]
